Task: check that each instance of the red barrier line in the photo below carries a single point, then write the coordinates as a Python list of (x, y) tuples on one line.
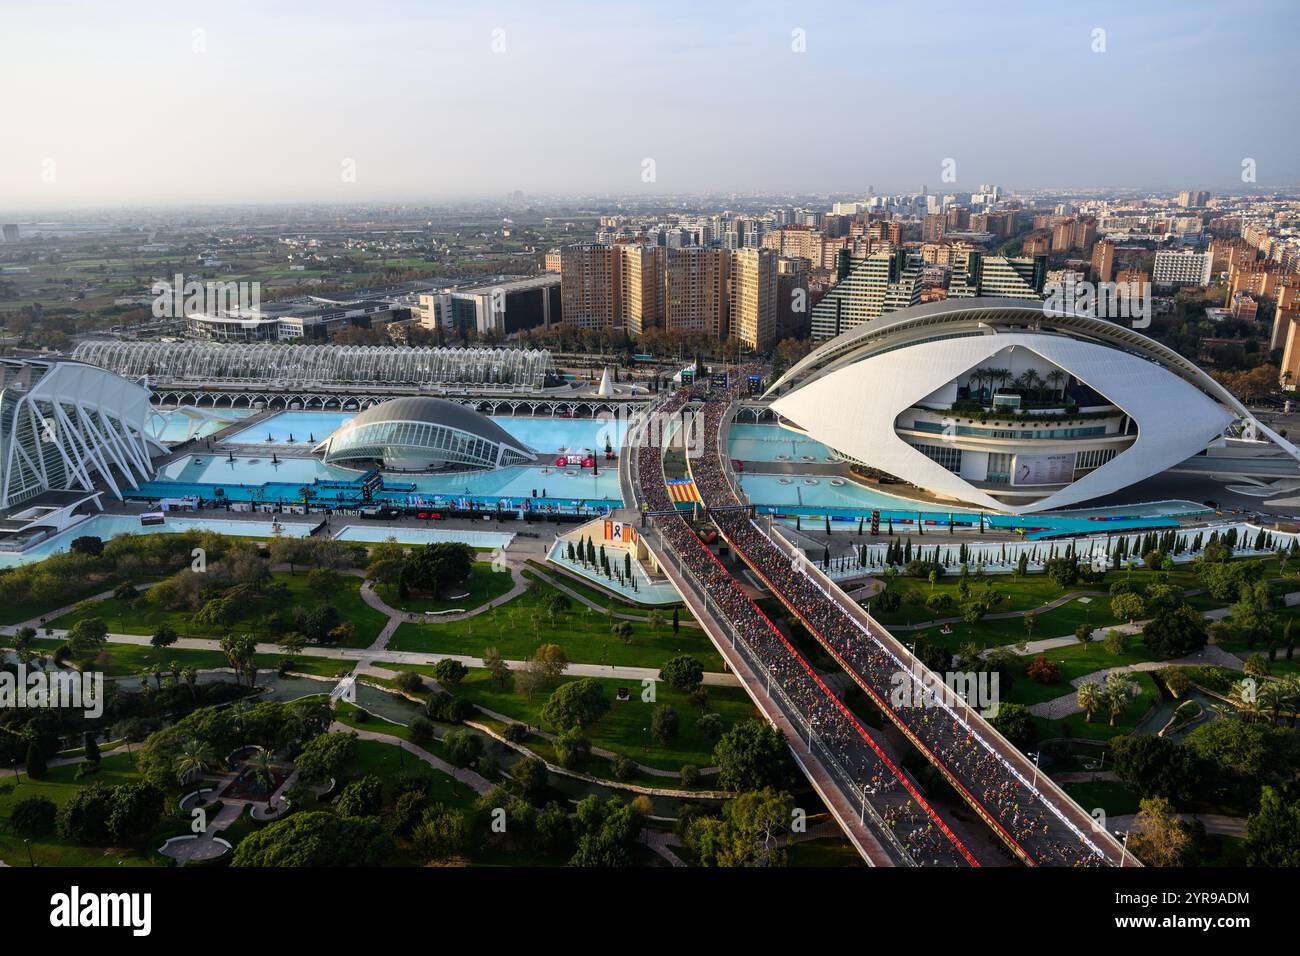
[(897, 720), (921, 801)]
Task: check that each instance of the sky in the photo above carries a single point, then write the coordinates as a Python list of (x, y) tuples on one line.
[(128, 103)]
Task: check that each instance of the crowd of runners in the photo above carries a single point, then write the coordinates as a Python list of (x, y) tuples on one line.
[(1041, 830), (865, 771)]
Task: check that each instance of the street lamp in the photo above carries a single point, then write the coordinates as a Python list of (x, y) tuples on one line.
[(1123, 856), (1035, 755)]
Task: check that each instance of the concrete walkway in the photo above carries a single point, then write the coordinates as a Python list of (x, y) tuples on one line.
[(468, 777), (1067, 704)]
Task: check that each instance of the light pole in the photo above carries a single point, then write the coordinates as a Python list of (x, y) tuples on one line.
[(1123, 855), (1035, 755)]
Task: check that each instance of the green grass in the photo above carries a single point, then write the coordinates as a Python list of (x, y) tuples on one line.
[(624, 728), (518, 627), (484, 585), (127, 660), (1099, 729), (1111, 795), (59, 785), (824, 852), (141, 617), (1076, 660), (389, 761)]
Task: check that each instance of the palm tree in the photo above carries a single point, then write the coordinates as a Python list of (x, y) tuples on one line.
[(264, 769), (1272, 696), (191, 678), (1120, 689), (194, 759), (1090, 698), (1057, 378), (144, 675), (1244, 699)]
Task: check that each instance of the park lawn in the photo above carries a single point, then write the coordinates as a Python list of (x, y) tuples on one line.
[(1110, 795), (79, 590), (1099, 729), (1075, 661), (1019, 594), (824, 852), (484, 585), (1060, 622), (389, 761), (127, 660), (518, 627), (625, 727), (59, 785), (141, 617)]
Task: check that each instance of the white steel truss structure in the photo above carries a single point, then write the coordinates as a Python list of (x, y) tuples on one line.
[(287, 365), (65, 425)]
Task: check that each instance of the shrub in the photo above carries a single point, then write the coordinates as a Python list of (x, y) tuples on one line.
[(690, 775), (515, 733), (421, 731), (1042, 671), (624, 767), (33, 816), (409, 681)]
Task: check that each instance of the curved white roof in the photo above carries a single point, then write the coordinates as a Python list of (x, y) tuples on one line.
[(853, 407)]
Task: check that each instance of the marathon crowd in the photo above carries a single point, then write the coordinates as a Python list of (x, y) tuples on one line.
[(1041, 830), (865, 768)]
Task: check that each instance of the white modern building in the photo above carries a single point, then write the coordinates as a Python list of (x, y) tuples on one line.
[(998, 404), (67, 426), (1179, 267), (422, 434)]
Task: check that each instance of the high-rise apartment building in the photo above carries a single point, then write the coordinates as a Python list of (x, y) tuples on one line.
[(640, 269), (1103, 261), (977, 274), (695, 291), (754, 297), (879, 283)]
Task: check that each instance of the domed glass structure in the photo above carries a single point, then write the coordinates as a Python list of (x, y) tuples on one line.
[(424, 434)]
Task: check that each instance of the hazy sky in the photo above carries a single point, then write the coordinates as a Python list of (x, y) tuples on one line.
[(121, 102)]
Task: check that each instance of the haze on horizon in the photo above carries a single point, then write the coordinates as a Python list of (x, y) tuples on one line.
[(128, 105)]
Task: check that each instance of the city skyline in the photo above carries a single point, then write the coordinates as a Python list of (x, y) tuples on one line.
[(401, 103)]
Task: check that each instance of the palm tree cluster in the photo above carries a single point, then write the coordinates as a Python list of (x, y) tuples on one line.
[(1032, 385)]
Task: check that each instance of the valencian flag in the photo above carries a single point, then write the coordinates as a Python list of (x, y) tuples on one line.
[(683, 490)]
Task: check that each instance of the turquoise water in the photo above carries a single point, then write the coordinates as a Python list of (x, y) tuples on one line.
[(475, 539), (750, 442), (107, 526), (543, 434), (519, 482), (166, 426), (816, 491), (220, 470)]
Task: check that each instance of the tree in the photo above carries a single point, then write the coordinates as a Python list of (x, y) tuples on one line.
[(36, 767), (1176, 680), (1040, 670), (441, 834), (87, 636), (1158, 837), (1090, 699), (134, 811), (1273, 831), (530, 776), (664, 724), (1156, 767), (434, 567), (572, 749), (552, 659), (164, 636), (316, 839), (91, 746), (1119, 690), (1115, 642), (710, 727), (33, 816), (1014, 722), (496, 667), (575, 704), (750, 832), (1127, 607), (463, 747), (555, 605), (450, 672), (194, 759), (326, 757), (361, 798), (623, 630), (1174, 633), (753, 755), (682, 673)]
